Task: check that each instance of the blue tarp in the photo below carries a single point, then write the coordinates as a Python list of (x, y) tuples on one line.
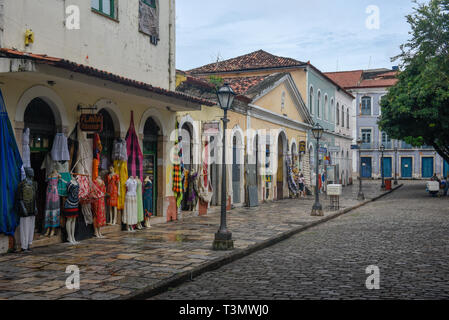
[(10, 172)]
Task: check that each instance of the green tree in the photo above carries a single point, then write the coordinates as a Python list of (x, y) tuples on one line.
[(416, 109)]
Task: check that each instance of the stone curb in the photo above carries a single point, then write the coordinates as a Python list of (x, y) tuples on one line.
[(178, 279)]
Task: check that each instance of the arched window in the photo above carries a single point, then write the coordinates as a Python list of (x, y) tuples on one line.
[(343, 116), (337, 113), (326, 107), (311, 100), (331, 111), (366, 106), (318, 105)]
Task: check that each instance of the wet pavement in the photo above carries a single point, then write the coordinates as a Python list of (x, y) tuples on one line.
[(124, 263)]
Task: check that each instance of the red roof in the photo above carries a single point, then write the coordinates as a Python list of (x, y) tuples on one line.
[(90, 71), (359, 79), (242, 84), (255, 60)]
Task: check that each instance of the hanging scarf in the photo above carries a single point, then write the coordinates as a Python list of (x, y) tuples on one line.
[(135, 156), (96, 153)]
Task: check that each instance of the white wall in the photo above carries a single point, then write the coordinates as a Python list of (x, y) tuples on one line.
[(115, 46)]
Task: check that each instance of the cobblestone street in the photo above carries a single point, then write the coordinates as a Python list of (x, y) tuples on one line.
[(123, 263), (405, 234)]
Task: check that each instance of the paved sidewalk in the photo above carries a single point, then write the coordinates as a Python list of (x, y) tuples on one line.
[(126, 264)]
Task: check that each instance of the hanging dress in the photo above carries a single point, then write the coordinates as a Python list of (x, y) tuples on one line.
[(135, 155), (98, 206), (130, 211), (97, 148), (60, 149), (26, 153), (112, 189), (85, 198), (121, 167), (148, 199), (71, 204), (140, 216), (52, 207)]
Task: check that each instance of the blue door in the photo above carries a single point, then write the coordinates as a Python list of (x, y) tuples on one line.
[(388, 173), (446, 169), (366, 168), (427, 167), (406, 167)]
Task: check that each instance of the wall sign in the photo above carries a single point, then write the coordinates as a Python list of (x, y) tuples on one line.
[(302, 147), (91, 122)]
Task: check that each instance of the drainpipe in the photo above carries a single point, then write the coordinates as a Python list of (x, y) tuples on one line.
[(172, 41)]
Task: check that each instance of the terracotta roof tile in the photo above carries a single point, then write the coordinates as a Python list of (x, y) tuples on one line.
[(90, 71), (361, 79), (255, 60), (346, 79)]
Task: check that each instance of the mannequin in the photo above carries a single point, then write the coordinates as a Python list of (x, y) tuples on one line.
[(130, 211), (52, 208), (113, 180), (71, 209), (98, 206), (27, 209), (148, 201)]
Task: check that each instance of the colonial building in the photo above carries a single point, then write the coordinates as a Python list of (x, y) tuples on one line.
[(400, 158), (117, 62)]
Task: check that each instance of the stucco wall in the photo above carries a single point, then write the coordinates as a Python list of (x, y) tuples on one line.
[(116, 46)]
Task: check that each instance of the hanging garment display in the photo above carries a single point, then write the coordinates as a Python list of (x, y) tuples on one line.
[(292, 186), (178, 171), (113, 181), (130, 211), (135, 155), (27, 209), (148, 199), (84, 159), (60, 149), (205, 191), (52, 206), (26, 153), (85, 198), (73, 147), (10, 173), (71, 204), (192, 190), (63, 170), (119, 150), (97, 148), (98, 205), (140, 216), (121, 167)]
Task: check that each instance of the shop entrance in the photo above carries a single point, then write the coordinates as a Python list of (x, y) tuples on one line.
[(39, 118), (187, 155), (427, 167), (280, 171), (151, 135), (406, 167)]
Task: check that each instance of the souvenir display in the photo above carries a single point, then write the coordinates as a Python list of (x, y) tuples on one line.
[(113, 181), (98, 206), (52, 207)]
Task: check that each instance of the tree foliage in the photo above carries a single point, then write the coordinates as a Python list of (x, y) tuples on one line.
[(416, 109)]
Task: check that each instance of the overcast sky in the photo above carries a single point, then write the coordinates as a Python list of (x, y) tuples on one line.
[(332, 34)]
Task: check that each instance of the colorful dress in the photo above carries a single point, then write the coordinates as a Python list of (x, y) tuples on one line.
[(71, 205), (140, 216), (52, 207), (130, 211), (148, 199), (113, 182), (96, 156), (98, 206), (121, 167)]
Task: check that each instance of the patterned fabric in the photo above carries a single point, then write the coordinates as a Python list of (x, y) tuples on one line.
[(63, 183), (112, 189), (177, 179), (98, 205), (71, 205), (96, 153), (148, 199), (140, 216), (84, 188), (52, 207), (135, 155), (121, 167)]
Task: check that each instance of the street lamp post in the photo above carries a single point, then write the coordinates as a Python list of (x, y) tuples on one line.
[(395, 164), (223, 238), (317, 209), (360, 195), (382, 150)]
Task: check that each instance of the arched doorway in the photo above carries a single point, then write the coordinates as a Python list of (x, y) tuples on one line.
[(235, 171), (281, 170), (253, 174), (151, 134), (39, 118), (187, 156), (107, 137)]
